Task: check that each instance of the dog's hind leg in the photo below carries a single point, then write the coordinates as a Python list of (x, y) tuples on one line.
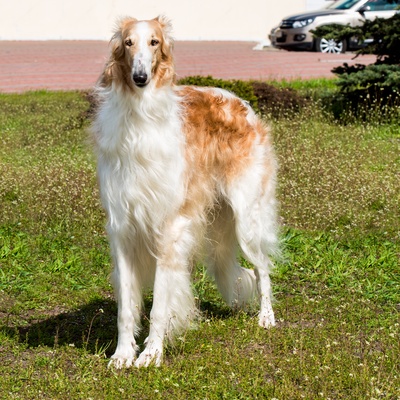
[(254, 209), (236, 284), (173, 301)]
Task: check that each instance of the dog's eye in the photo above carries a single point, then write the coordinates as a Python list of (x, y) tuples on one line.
[(128, 42), (154, 42)]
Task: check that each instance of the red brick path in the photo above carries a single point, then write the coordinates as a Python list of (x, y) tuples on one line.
[(65, 65)]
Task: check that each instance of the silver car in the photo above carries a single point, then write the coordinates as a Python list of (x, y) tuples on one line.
[(293, 33)]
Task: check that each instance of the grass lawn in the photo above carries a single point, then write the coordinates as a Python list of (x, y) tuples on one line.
[(337, 289)]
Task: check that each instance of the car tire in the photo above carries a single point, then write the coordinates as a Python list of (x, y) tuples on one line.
[(332, 46)]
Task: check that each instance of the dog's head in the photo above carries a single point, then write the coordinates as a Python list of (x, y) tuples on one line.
[(141, 52)]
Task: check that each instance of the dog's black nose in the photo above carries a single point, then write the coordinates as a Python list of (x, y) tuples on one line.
[(140, 78)]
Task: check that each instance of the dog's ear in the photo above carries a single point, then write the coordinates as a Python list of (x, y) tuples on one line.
[(165, 23), (166, 68), (117, 47), (117, 51), (117, 40), (168, 41)]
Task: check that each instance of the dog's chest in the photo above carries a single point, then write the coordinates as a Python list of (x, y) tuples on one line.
[(140, 174)]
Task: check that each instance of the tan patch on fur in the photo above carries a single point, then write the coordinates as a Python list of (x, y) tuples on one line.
[(218, 134), (219, 143)]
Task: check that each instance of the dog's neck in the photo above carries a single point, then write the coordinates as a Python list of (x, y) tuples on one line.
[(152, 103)]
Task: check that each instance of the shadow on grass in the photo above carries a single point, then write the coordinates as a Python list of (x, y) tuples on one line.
[(92, 327)]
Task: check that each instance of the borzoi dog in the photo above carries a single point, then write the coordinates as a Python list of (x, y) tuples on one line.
[(184, 172)]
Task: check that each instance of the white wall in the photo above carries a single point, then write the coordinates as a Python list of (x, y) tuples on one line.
[(192, 19), (312, 5)]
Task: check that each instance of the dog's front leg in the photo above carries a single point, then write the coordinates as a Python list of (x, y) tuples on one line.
[(173, 309), (128, 294), (173, 302), (159, 318)]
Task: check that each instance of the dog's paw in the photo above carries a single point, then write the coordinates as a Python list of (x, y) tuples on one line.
[(123, 359), (266, 319), (151, 355)]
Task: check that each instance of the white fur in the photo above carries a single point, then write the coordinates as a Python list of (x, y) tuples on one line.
[(141, 170)]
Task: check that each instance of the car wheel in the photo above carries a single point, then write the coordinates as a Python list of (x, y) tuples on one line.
[(323, 45)]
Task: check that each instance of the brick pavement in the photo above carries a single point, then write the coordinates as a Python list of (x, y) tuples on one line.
[(68, 65)]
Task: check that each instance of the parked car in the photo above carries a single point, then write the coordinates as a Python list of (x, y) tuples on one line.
[(293, 33)]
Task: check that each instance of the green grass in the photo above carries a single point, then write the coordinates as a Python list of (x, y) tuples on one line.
[(337, 289), (311, 88)]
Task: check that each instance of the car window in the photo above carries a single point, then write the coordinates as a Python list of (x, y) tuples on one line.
[(380, 5), (343, 4)]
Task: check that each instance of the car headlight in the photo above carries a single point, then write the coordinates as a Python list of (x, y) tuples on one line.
[(303, 22)]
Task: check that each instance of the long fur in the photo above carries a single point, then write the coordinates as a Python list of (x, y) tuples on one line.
[(181, 169)]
